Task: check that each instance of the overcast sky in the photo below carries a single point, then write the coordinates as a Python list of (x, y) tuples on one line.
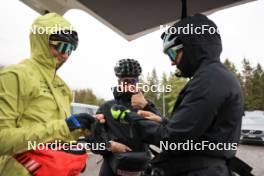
[(91, 65)]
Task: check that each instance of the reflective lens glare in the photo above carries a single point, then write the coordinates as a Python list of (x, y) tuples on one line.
[(63, 47), (172, 54), (173, 51)]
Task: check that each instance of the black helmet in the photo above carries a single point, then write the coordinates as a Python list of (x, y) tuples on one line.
[(127, 68), (68, 36)]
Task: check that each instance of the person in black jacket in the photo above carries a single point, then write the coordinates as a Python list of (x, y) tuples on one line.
[(208, 110), (122, 137)]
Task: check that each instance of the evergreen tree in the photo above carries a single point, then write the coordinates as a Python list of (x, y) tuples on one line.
[(257, 88), (152, 80), (230, 66), (164, 102), (170, 86), (233, 69), (252, 84), (248, 84), (87, 96), (177, 85)]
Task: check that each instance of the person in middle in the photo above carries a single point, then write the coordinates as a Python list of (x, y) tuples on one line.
[(125, 154)]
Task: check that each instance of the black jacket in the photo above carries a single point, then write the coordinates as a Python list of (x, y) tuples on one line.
[(122, 133), (210, 106)]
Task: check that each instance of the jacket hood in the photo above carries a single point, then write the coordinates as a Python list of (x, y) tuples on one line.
[(202, 46), (41, 30)]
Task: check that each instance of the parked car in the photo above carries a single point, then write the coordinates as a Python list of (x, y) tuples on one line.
[(252, 130), (83, 108)]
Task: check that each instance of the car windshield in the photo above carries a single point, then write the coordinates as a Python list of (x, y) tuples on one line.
[(258, 120)]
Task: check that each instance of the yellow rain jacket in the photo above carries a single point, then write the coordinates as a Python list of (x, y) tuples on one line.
[(34, 101)]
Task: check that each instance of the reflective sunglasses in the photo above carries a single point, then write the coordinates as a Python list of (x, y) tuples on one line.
[(173, 51), (63, 47), (129, 80)]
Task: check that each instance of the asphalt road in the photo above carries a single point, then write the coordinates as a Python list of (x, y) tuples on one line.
[(252, 154)]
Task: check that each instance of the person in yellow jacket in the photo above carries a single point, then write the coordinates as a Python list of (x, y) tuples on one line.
[(35, 105)]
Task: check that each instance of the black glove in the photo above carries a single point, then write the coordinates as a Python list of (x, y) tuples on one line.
[(82, 120)]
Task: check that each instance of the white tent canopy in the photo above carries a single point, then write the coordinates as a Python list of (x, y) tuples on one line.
[(133, 18)]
